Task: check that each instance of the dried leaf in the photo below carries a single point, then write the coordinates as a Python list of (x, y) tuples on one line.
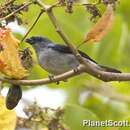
[(7, 117), (10, 62), (101, 27)]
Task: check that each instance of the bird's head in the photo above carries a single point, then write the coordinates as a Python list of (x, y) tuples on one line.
[(38, 42)]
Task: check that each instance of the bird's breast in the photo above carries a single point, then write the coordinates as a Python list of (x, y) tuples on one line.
[(55, 62)]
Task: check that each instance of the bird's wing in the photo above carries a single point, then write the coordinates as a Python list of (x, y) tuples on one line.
[(66, 49)]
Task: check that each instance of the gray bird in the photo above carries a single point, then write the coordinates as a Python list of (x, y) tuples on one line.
[(57, 59)]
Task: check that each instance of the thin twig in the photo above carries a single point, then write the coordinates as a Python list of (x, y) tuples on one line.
[(30, 29), (60, 32)]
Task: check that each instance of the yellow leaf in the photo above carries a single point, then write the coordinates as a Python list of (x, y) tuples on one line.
[(10, 62), (101, 27), (7, 117)]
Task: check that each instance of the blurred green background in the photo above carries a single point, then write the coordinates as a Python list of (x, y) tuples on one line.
[(89, 98)]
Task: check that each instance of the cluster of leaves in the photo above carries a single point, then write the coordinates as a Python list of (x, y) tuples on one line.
[(10, 7), (43, 117), (92, 8)]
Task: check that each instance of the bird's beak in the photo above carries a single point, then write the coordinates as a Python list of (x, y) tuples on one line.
[(29, 40)]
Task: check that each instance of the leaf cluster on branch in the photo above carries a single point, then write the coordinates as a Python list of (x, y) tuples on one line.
[(49, 118), (10, 7)]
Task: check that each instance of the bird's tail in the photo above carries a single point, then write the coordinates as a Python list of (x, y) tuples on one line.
[(109, 69)]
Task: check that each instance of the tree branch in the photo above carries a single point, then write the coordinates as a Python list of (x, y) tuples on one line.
[(30, 29), (55, 79)]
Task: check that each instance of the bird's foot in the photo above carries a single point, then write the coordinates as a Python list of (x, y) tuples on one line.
[(76, 70), (51, 77)]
